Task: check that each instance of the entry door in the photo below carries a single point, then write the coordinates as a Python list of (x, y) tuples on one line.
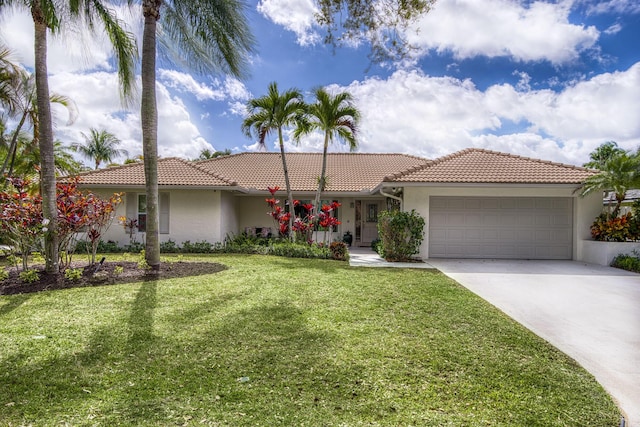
[(367, 220)]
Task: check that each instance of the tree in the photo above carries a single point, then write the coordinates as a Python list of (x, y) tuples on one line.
[(49, 16), (383, 22), (336, 116), (101, 146), (620, 173), (602, 154), (210, 36), (272, 112), (207, 154), (27, 159)]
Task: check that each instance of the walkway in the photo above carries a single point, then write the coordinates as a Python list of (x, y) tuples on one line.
[(366, 257)]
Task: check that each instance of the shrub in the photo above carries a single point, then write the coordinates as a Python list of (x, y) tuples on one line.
[(29, 276), (299, 250), (627, 262), (169, 247), (401, 234), (118, 270), (134, 247), (108, 247), (201, 247), (73, 274), (609, 229), (4, 274), (339, 251)]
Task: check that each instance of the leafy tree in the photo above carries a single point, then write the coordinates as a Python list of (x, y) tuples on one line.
[(619, 173), (337, 117), (207, 154), (27, 159), (101, 146), (383, 22), (602, 154), (209, 36), (49, 16), (272, 112)]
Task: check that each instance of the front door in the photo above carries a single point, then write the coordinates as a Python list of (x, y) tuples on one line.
[(367, 221)]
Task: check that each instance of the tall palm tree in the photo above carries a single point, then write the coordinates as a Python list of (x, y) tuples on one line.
[(210, 36), (598, 157), (207, 154), (620, 173), (336, 116), (25, 109), (49, 16), (273, 112), (101, 146)]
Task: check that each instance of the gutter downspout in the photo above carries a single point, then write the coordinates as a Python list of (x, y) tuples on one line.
[(391, 196)]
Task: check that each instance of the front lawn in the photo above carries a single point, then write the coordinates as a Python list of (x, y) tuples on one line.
[(283, 342)]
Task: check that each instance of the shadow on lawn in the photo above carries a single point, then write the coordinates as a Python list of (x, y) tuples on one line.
[(252, 358), (13, 303)]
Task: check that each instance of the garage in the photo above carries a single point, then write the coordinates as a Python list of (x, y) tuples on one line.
[(501, 227)]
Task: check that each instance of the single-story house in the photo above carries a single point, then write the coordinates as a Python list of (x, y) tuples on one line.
[(476, 203)]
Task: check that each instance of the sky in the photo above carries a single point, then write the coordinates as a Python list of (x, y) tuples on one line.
[(544, 79)]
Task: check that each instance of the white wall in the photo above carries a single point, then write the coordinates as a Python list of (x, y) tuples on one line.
[(585, 209)]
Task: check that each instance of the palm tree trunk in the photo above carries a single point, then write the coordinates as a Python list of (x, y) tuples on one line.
[(47, 162), (292, 209), (322, 180), (149, 119)]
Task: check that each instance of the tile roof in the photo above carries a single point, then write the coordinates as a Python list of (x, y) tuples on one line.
[(172, 171), (475, 165), (346, 172)]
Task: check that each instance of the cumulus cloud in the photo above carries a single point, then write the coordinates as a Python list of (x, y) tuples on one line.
[(503, 28), (294, 15), (411, 112)]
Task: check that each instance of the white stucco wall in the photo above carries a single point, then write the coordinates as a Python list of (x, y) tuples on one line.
[(585, 209)]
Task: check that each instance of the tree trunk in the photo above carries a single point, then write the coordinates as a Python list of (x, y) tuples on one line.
[(292, 209), (321, 181), (47, 161), (149, 119)]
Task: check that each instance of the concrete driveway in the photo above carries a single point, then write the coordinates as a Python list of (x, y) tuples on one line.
[(589, 312)]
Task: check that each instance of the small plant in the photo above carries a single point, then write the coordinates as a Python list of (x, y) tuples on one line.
[(29, 276), (629, 262), (73, 274), (338, 251), (608, 229), (169, 247), (142, 261), (4, 274), (118, 270)]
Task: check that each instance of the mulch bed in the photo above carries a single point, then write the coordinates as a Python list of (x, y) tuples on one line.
[(106, 275)]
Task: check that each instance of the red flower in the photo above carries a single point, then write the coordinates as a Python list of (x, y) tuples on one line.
[(273, 190), (296, 202), (326, 208), (272, 202)]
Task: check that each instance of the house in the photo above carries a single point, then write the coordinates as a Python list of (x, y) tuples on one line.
[(476, 203)]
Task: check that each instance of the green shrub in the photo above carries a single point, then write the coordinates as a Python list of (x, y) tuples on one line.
[(142, 261), (73, 274), (627, 262), (134, 247), (29, 276), (108, 247), (169, 247), (118, 270), (201, 247), (339, 251), (4, 274), (401, 234), (299, 250)]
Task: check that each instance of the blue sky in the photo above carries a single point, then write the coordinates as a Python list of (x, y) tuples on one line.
[(545, 79)]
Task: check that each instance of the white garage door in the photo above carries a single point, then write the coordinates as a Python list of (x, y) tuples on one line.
[(501, 227)]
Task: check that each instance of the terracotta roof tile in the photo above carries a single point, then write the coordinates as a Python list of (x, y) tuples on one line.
[(475, 165), (172, 171), (346, 172)]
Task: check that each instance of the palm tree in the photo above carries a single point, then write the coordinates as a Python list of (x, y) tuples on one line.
[(27, 159), (599, 156), (620, 173), (336, 116), (50, 15), (210, 36), (24, 107), (101, 146), (207, 154), (272, 112)]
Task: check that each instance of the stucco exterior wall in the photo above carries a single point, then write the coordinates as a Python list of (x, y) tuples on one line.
[(585, 209)]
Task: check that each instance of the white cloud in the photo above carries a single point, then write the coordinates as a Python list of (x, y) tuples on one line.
[(184, 82), (503, 28), (432, 116), (613, 6), (294, 15), (613, 29)]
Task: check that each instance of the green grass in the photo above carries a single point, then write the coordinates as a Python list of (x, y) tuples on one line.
[(281, 342)]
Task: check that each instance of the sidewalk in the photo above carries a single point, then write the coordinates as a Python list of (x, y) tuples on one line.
[(366, 257)]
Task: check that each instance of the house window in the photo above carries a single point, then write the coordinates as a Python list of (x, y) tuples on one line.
[(142, 213), (372, 212)]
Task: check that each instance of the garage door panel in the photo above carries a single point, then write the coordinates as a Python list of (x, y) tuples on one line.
[(497, 227)]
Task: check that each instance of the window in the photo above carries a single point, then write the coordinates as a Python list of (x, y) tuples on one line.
[(142, 212), (136, 207), (372, 212)]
